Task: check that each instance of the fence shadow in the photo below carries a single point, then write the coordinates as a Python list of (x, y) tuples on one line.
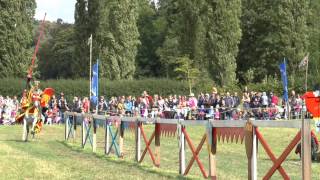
[(123, 162)]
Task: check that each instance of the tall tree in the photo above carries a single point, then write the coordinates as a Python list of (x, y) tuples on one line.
[(273, 30), (16, 19), (185, 32), (118, 38), (81, 35), (57, 52), (314, 42), (223, 38), (151, 29)]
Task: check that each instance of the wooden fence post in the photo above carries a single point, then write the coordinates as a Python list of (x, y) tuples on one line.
[(94, 138), (66, 127), (212, 149), (106, 138), (157, 144), (138, 141), (83, 131), (182, 151), (306, 149), (251, 150), (121, 136), (74, 119), (254, 165)]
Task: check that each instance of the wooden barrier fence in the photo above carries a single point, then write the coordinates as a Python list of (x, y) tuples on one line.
[(216, 130)]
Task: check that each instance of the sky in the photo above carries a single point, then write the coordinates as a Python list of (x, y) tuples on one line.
[(55, 9)]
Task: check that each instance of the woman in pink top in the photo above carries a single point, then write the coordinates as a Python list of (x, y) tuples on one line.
[(274, 99), (193, 102), (86, 105)]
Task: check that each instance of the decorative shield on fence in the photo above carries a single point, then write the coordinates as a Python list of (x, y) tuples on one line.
[(168, 130), (230, 134)]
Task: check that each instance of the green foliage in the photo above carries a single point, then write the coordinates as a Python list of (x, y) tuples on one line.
[(314, 45), (272, 31), (56, 52), (186, 70), (151, 29), (184, 33), (16, 37), (81, 35), (223, 38)]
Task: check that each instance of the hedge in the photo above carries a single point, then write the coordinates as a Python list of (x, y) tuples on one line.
[(165, 87), (80, 87)]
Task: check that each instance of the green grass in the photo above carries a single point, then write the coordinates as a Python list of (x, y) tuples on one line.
[(50, 157)]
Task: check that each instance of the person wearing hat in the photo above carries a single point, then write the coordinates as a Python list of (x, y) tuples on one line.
[(214, 90), (192, 103)]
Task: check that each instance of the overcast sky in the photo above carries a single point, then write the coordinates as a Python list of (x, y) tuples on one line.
[(55, 9)]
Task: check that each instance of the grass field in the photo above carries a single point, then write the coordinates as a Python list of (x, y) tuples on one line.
[(48, 156)]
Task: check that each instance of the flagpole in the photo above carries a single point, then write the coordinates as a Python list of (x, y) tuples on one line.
[(306, 83), (287, 103), (90, 66), (97, 105)]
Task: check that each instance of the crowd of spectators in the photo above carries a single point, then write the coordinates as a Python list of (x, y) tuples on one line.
[(218, 106)]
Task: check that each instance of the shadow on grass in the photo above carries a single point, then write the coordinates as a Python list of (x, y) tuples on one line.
[(14, 140), (122, 162), (287, 160)]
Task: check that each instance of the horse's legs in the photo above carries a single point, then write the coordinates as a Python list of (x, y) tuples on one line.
[(34, 122)]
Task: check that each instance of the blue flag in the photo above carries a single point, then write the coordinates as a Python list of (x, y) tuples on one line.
[(95, 83), (283, 71)]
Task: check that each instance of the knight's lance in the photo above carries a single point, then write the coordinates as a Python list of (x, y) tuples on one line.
[(41, 29)]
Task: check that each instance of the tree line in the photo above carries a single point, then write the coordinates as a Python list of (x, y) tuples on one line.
[(230, 42)]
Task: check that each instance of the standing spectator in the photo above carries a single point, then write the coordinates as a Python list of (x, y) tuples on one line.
[(264, 100), (292, 103), (155, 106), (102, 105), (143, 106), (217, 113), (192, 103), (53, 101), (113, 105), (201, 100), (161, 105), (170, 102), (63, 106), (298, 107), (76, 105), (49, 116), (121, 108), (229, 103), (274, 99), (128, 106), (207, 102), (85, 105), (236, 103), (56, 114)]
